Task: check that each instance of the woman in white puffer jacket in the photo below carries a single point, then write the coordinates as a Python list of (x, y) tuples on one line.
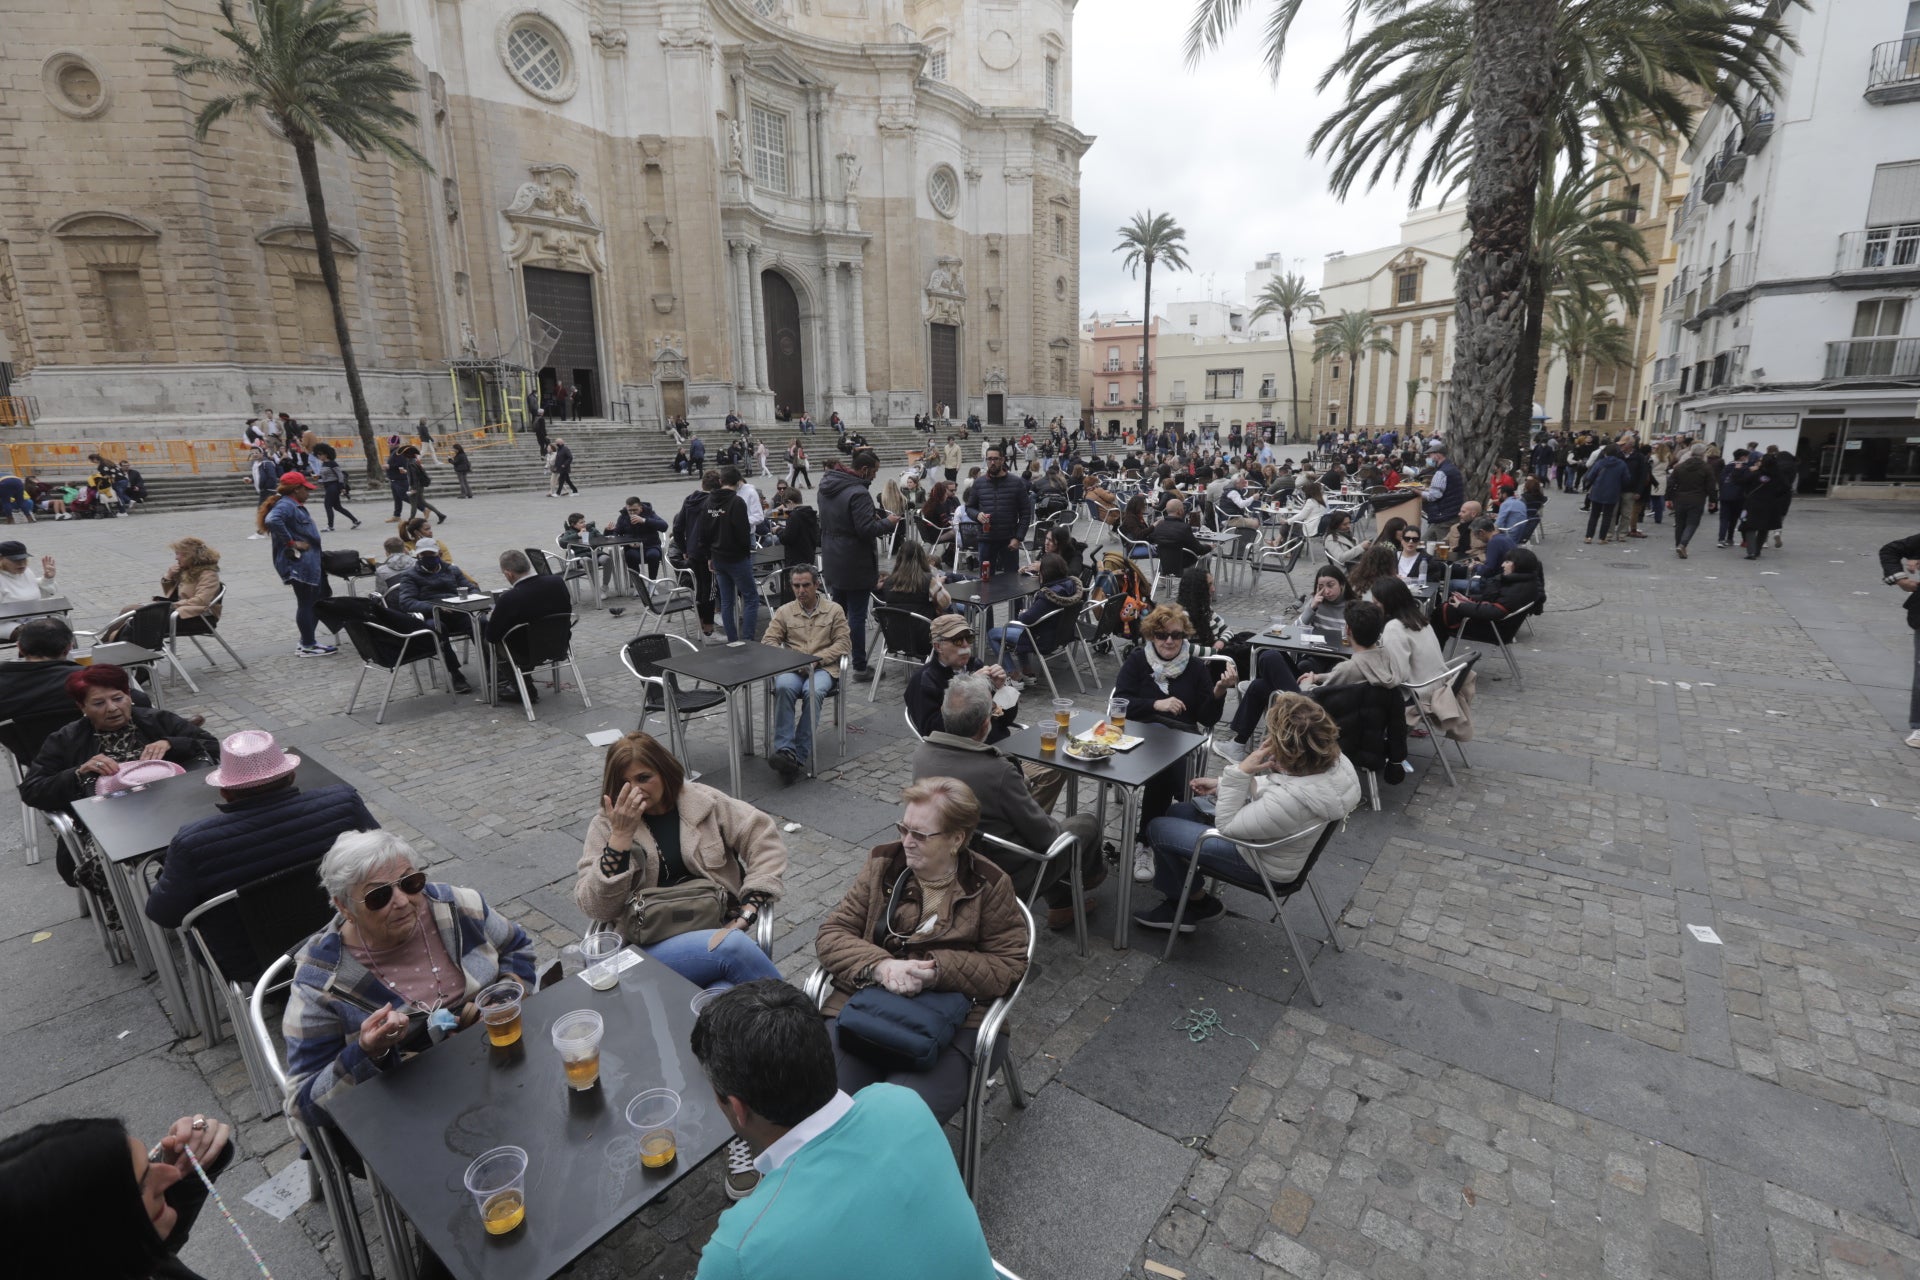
[(1295, 781)]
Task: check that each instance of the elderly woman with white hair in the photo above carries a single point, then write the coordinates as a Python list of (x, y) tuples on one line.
[(1690, 486), (396, 970)]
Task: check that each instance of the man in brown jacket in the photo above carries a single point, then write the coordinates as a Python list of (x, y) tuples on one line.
[(1008, 809), (817, 627)]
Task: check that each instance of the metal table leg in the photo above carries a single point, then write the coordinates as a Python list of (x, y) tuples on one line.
[(1129, 824), (125, 901), (393, 1232)]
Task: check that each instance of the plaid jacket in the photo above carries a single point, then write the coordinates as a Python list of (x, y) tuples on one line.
[(322, 1022)]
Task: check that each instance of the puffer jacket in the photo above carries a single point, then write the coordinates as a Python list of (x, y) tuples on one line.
[(1064, 594), (848, 526), (981, 948), (1373, 729), (1007, 500), (722, 839), (1260, 809)]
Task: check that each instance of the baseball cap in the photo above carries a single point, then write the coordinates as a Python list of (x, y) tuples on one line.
[(11, 550), (296, 477), (951, 626)]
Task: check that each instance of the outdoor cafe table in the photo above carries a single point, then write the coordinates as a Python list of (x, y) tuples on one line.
[(1003, 588), (1125, 771), (475, 605), (614, 543), (17, 611), (1333, 642), (420, 1125), (131, 826), (123, 653), (731, 668)]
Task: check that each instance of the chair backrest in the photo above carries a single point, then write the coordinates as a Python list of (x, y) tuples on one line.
[(384, 647), (642, 655), (907, 713), (274, 915), (540, 641), (908, 634), (537, 556), (1054, 631)]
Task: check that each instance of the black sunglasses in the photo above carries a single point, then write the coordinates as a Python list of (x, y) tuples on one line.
[(1171, 635), (380, 895)]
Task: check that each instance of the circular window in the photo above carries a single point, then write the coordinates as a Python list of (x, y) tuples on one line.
[(537, 55), (943, 189), (73, 86)]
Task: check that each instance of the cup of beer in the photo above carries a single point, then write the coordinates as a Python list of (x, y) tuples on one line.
[(1049, 739), (83, 658), (1063, 714), (500, 1009), (652, 1115), (497, 1180), (576, 1036), (1117, 715)]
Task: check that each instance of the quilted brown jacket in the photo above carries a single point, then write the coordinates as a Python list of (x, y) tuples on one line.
[(981, 948)]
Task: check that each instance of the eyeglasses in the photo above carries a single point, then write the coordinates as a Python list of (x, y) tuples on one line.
[(380, 895), (1171, 635), (909, 836)]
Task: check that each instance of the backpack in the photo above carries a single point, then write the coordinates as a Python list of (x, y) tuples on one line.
[(1127, 600)]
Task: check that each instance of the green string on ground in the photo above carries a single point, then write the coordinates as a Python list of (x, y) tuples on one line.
[(1199, 1024)]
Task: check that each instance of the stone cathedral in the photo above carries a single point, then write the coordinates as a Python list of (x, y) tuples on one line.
[(672, 207)]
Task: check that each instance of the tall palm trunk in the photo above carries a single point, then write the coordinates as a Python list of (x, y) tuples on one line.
[(1353, 403), (1526, 369), (1574, 370), (303, 149), (1512, 80), (1146, 354), (1294, 430)]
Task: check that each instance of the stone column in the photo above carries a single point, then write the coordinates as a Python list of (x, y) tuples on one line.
[(742, 313), (859, 330), (830, 273), (756, 309)]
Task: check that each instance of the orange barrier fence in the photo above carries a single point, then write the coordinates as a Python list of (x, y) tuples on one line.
[(201, 457), (16, 411)]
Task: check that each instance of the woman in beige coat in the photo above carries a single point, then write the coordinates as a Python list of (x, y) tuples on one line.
[(1415, 651), (654, 830), (190, 586)]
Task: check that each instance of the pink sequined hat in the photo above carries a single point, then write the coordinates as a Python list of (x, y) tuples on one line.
[(249, 758)]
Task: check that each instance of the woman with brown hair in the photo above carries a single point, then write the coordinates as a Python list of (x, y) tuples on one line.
[(1291, 783), (1375, 562), (925, 914), (296, 557), (189, 588), (657, 831)]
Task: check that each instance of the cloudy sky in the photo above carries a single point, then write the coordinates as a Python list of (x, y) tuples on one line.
[(1221, 147)]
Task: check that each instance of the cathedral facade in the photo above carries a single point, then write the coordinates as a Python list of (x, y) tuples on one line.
[(670, 207)]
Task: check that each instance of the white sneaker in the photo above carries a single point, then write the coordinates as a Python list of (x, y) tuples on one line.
[(1228, 749), (742, 1177), (1143, 863), (1913, 739)]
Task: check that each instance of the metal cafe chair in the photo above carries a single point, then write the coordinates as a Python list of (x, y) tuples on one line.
[(1254, 879), (1062, 846), (542, 642), (906, 638), (838, 696), (998, 1060), (641, 656), (1454, 676), (1501, 633)]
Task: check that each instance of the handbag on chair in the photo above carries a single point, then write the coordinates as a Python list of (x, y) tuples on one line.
[(654, 915)]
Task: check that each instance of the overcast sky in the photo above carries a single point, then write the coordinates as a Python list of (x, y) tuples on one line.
[(1221, 147)]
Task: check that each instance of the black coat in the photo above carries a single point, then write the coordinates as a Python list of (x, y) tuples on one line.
[(534, 596), (40, 689), (848, 526), (1373, 725), (52, 784), (1179, 548), (1766, 505)]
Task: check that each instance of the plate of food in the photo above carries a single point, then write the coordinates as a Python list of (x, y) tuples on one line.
[(1088, 749), (1104, 732)]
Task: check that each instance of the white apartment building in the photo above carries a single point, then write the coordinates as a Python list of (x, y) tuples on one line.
[(1794, 316)]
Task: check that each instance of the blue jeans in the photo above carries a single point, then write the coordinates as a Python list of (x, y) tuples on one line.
[(854, 601), (731, 578), (13, 497), (1013, 636), (1172, 838), (736, 960), (793, 732)]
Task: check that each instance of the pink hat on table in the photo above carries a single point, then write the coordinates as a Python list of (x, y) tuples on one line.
[(136, 774), (249, 758)]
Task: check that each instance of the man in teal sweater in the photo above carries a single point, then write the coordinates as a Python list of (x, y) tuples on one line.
[(862, 1186)]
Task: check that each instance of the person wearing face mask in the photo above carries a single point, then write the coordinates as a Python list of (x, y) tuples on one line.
[(89, 1199), (396, 970)]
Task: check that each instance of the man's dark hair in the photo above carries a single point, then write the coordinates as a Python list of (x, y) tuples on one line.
[(863, 459), (764, 1043), (730, 477), (44, 638), (1485, 524), (1366, 620), (813, 575), (709, 481)]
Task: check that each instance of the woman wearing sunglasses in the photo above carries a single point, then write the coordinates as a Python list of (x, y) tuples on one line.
[(394, 972), (925, 914)]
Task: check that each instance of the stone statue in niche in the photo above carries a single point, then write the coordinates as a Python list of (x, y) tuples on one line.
[(737, 144), (849, 170), (945, 277)]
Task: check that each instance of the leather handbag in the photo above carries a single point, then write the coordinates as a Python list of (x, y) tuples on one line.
[(901, 1033), (654, 915)]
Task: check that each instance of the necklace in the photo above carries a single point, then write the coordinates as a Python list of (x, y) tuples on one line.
[(420, 926)]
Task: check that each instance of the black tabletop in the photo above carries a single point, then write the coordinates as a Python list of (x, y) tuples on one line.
[(124, 654), (614, 539), (1333, 646), (1164, 746), (999, 589), (136, 823), (740, 662), (34, 608), (468, 604), (419, 1126)]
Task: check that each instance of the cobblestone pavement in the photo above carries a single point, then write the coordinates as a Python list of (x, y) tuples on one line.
[(1526, 1064)]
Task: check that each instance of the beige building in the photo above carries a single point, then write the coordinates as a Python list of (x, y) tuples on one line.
[(1408, 287), (1202, 383), (862, 206)]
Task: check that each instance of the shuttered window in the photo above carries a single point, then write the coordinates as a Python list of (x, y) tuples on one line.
[(1896, 194)]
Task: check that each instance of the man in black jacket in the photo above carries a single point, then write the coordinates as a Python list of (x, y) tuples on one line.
[(953, 654), (529, 596), (34, 685), (690, 538), (1900, 567), (1004, 504), (1174, 539), (848, 527), (730, 552)]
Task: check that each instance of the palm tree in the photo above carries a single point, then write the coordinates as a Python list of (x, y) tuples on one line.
[(321, 73), (1413, 393), (1349, 336), (1289, 296), (1150, 238), (1483, 91), (1580, 333)]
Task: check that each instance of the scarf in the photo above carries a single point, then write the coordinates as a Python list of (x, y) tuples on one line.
[(1165, 673)]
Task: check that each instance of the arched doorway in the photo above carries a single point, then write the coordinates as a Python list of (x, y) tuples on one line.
[(786, 374)]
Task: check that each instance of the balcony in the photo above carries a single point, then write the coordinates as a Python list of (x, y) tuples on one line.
[(1111, 366), (1880, 249), (1895, 73), (1666, 374), (1713, 184), (1673, 302), (1759, 119), (1866, 358)]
